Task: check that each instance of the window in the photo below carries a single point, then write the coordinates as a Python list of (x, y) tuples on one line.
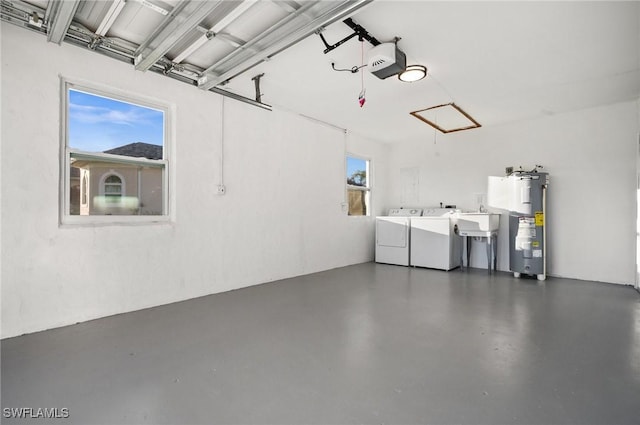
[(116, 146), (83, 190), (112, 189), (358, 186)]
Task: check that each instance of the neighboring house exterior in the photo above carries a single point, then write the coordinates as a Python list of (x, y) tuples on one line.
[(108, 187), (74, 187)]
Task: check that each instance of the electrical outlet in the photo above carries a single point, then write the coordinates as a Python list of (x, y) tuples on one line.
[(221, 190)]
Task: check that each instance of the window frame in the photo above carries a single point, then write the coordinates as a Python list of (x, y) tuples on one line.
[(367, 188), (66, 152)]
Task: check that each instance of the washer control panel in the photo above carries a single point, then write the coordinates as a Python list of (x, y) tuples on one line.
[(437, 212)]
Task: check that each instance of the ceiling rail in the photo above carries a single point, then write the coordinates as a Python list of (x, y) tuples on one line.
[(195, 13), (247, 60), (21, 14), (60, 16), (249, 44)]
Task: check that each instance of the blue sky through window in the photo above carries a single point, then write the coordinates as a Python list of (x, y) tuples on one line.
[(355, 164), (97, 123)]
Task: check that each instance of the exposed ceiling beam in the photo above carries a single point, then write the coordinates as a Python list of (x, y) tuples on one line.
[(187, 20), (233, 15), (153, 7), (191, 49), (214, 69), (20, 14), (288, 6), (219, 26), (168, 19), (110, 17), (233, 40), (243, 60), (60, 16)]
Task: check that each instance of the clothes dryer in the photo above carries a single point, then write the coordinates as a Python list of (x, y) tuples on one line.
[(393, 237)]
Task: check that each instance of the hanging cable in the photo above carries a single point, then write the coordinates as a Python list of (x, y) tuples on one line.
[(435, 133), (221, 162), (353, 69), (444, 89), (361, 96)]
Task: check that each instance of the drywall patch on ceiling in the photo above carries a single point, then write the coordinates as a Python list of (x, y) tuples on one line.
[(446, 118)]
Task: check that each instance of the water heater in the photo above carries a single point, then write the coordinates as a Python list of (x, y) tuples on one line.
[(523, 194)]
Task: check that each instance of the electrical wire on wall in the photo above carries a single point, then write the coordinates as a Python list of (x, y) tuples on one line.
[(345, 202), (221, 188)]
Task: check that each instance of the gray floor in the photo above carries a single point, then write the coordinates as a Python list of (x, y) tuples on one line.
[(366, 344)]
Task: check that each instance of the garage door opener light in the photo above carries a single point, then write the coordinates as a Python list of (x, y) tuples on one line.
[(413, 73)]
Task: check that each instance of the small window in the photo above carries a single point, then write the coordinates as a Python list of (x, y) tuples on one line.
[(83, 190), (118, 146), (358, 186), (112, 189)]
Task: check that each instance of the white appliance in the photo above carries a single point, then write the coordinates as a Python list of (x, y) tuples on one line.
[(392, 236), (524, 194), (385, 60), (434, 242)]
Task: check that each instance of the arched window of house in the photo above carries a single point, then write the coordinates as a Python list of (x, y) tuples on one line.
[(113, 188)]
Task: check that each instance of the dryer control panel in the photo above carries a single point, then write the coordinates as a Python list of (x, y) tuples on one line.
[(405, 212)]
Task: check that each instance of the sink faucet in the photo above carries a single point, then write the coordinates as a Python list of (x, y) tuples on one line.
[(482, 209)]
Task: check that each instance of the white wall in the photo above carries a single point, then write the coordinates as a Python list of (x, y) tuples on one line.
[(590, 156), (282, 215)]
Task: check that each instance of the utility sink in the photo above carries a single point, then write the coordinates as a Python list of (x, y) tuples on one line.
[(477, 224)]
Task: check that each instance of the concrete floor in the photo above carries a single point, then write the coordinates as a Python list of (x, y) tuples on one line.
[(366, 344)]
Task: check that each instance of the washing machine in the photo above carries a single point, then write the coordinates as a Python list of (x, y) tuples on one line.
[(434, 242), (393, 235)]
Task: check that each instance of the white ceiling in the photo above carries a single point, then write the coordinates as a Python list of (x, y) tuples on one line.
[(499, 61)]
